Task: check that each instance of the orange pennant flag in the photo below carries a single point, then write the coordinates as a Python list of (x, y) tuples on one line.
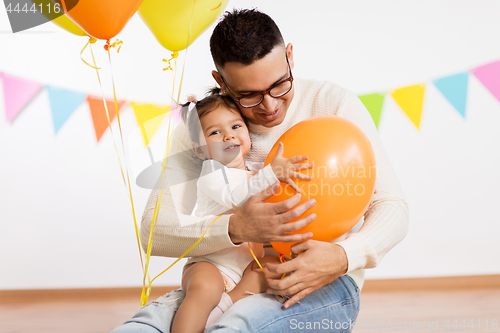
[(410, 100), (99, 116)]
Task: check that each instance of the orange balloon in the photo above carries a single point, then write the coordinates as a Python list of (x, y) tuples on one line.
[(102, 19), (343, 175)]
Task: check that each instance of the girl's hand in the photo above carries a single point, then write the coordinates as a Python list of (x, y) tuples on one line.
[(286, 168)]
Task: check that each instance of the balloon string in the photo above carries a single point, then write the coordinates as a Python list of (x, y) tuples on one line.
[(92, 40), (185, 58), (114, 143), (137, 231), (144, 298), (166, 155), (107, 115), (127, 184), (256, 260), (146, 292), (281, 257), (218, 6)]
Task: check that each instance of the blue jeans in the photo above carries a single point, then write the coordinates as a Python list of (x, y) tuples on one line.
[(332, 308)]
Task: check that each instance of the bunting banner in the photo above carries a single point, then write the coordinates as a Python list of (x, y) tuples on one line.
[(99, 116), (373, 103), (454, 88), (149, 118), (62, 104), (411, 100), (489, 75), (176, 114), (17, 94)]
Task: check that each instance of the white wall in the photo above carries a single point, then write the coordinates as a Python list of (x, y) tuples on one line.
[(65, 217)]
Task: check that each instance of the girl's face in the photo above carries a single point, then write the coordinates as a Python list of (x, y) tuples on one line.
[(225, 137)]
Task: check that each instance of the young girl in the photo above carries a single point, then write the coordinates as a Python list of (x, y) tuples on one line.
[(220, 137)]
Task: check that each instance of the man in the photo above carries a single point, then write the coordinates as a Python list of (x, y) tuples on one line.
[(254, 67)]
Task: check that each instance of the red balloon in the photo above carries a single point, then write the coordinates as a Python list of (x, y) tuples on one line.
[(343, 175)]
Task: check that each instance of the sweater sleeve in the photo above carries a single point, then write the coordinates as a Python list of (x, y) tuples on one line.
[(176, 229), (386, 221), (217, 183)]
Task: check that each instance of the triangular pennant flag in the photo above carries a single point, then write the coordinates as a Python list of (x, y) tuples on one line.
[(149, 118), (410, 100), (373, 102), (62, 104), (176, 114), (17, 94), (489, 75), (99, 114), (454, 88)]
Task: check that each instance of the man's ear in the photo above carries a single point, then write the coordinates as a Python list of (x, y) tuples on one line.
[(217, 78), (289, 54), (198, 151)]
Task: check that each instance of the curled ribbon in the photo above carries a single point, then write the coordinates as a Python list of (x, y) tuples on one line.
[(92, 40), (107, 46), (281, 257), (175, 54)]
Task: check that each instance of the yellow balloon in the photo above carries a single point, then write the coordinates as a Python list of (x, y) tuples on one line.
[(64, 22), (173, 21)]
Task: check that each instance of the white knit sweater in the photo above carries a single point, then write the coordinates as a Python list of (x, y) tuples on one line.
[(385, 222)]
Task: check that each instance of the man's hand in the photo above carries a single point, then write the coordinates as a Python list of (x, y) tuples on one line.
[(318, 265), (286, 168), (260, 222)]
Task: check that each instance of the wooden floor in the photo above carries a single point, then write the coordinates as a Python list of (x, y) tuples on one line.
[(435, 309), (430, 311)]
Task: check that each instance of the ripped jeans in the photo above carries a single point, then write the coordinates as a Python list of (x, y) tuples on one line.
[(333, 308)]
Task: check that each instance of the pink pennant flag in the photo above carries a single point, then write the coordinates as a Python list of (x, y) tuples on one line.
[(489, 75), (176, 114), (17, 94)]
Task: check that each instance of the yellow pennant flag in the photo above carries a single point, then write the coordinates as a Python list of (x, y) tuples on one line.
[(149, 118), (411, 100)]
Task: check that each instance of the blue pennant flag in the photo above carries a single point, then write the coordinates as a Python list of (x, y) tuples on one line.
[(63, 103), (454, 88)]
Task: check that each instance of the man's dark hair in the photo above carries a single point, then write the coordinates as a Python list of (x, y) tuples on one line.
[(244, 36)]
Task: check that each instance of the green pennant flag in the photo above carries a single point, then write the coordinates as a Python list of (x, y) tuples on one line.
[(373, 102)]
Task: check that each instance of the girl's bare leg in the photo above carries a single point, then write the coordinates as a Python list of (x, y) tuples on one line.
[(253, 279), (203, 286)]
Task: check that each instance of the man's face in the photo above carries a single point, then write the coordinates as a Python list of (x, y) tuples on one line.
[(259, 76)]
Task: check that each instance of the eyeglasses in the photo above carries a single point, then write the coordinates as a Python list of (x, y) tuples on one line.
[(276, 90)]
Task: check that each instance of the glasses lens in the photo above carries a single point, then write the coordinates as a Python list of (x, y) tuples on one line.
[(250, 101), (281, 89)]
